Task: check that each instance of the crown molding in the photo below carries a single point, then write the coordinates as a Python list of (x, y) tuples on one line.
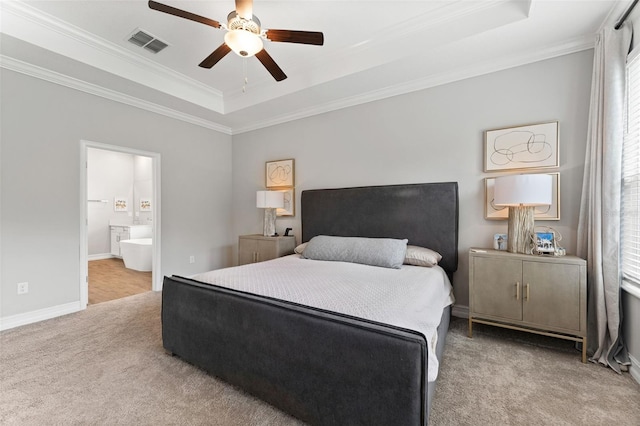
[(28, 23), (31, 70), (571, 46), (486, 67)]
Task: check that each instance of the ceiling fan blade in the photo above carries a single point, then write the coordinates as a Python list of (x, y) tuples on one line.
[(290, 36), (244, 8), (217, 54), (182, 14), (271, 65)]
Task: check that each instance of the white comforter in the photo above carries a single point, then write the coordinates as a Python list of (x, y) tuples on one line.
[(412, 297)]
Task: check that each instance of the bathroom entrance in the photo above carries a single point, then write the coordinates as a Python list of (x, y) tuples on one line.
[(120, 215)]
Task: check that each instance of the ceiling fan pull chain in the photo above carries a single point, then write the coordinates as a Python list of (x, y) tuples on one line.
[(244, 71)]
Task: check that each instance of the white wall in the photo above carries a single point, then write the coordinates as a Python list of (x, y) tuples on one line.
[(142, 187), (109, 174), (42, 126), (432, 135), (112, 174)]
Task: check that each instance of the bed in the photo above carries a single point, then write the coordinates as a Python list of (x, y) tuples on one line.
[(323, 366)]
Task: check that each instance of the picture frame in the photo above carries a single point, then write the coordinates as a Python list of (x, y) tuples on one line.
[(545, 243), (532, 146), (145, 204), (120, 204), (280, 173), (289, 208), (551, 212), (500, 242)]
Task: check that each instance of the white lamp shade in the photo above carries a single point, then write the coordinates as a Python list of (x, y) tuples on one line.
[(270, 199), (523, 190), (243, 42)]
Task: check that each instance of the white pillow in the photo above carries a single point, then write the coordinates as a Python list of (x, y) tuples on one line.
[(385, 252), (300, 248), (421, 256)]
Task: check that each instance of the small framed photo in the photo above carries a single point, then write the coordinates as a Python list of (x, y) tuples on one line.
[(545, 243), (280, 173), (289, 208), (120, 204), (500, 242)]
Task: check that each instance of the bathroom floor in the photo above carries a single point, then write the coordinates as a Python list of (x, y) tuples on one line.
[(110, 280)]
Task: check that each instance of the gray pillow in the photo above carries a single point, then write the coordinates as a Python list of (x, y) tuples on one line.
[(385, 252)]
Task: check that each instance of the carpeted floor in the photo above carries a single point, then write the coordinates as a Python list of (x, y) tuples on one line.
[(106, 366)]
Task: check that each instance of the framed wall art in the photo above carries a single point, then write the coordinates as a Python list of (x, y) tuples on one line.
[(531, 146), (493, 212), (120, 204), (280, 173), (289, 208), (145, 204)]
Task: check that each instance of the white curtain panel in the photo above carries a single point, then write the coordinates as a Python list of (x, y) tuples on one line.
[(599, 222)]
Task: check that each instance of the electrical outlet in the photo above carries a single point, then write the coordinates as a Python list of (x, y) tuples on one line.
[(192, 259), (23, 288)]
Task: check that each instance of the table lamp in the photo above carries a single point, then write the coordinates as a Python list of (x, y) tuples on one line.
[(270, 201), (521, 193)]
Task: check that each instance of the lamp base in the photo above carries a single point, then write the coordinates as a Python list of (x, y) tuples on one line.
[(521, 230), (269, 228)]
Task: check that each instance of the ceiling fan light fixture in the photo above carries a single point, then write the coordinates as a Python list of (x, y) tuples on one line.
[(244, 43)]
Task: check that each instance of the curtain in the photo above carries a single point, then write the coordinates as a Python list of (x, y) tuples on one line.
[(599, 220)]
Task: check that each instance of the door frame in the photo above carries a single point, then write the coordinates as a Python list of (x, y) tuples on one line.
[(156, 273)]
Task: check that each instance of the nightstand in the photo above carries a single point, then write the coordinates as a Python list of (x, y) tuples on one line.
[(257, 248), (538, 294)]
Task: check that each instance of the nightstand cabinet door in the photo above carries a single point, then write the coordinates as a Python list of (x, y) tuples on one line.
[(258, 248), (247, 249), (496, 287), (551, 295), (267, 250), (537, 294)]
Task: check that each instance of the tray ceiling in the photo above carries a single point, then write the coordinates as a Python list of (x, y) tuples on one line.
[(372, 50)]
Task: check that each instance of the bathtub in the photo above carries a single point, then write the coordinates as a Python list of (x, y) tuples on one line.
[(137, 253)]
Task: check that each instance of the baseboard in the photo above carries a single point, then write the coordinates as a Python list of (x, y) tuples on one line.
[(635, 369), (40, 315), (460, 311), (100, 256)]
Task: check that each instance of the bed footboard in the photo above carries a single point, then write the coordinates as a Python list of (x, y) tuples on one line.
[(321, 367)]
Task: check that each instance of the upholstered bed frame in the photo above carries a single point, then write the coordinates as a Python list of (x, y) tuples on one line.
[(323, 367)]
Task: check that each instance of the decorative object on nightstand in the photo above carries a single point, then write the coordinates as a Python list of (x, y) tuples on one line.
[(500, 241), (521, 193), (270, 201), (545, 295), (258, 248)]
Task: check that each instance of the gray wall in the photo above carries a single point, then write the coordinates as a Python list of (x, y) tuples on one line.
[(42, 126), (427, 136)]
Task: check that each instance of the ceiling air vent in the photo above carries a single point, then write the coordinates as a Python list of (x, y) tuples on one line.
[(144, 39)]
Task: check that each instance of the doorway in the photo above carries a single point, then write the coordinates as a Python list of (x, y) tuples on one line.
[(120, 201)]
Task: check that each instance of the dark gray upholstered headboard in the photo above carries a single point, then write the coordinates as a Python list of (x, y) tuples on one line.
[(426, 214)]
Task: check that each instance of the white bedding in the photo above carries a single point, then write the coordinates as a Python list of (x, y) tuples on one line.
[(411, 297)]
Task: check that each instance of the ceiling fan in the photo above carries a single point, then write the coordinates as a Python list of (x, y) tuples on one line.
[(244, 35)]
